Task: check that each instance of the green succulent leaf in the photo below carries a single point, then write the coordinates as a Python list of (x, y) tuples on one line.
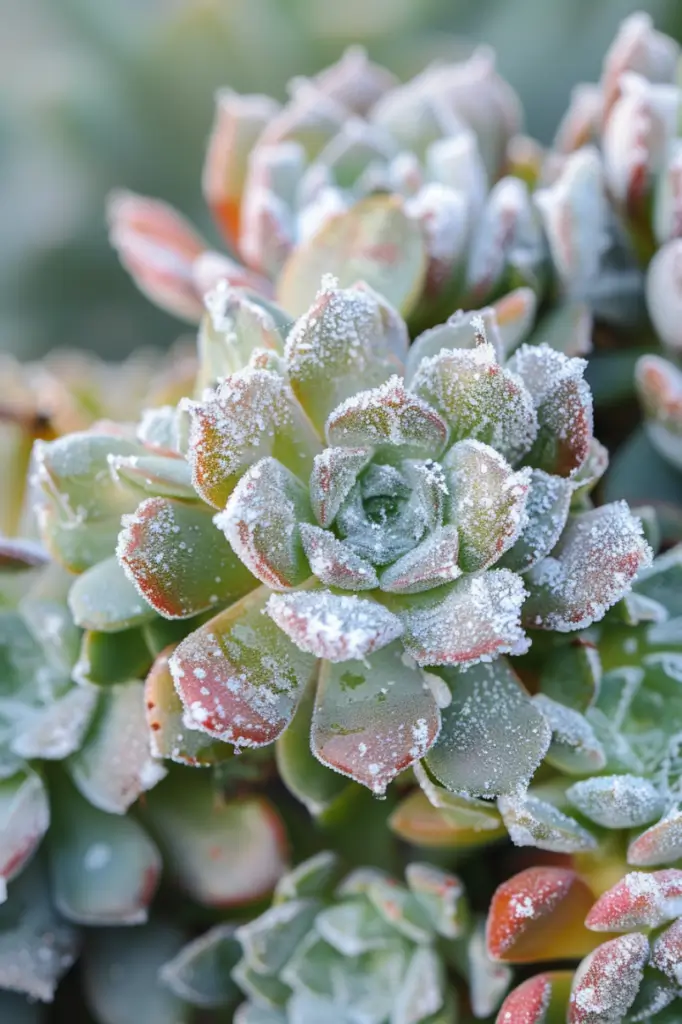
[(56, 730), (334, 563), (442, 897), (221, 852), (546, 510), (104, 869), (487, 502), (107, 658), (252, 415), (269, 941), (431, 564), (104, 600), (493, 737), (314, 877), (114, 764), (200, 973), (460, 331), (534, 822), (36, 946), (474, 619), (239, 676), (373, 718), (617, 801), (353, 927), (177, 561), (574, 749), (169, 736), (479, 399), (233, 328), (388, 417), (375, 241), (24, 820), (335, 627), (160, 475), (347, 335), (261, 522), (572, 674), (592, 567), (121, 968), (334, 474)]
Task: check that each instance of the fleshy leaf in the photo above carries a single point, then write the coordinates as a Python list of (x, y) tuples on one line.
[(251, 415), (460, 331), (387, 417), (640, 900), (334, 563), (487, 502), (606, 982), (239, 676), (538, 1000), (466, 811), (177, 560), (261, 521), (334, 473), (418, 822), (221, 852), (546, 512), (168, 735), (300, 771), (572, 674), (313, 877), (659, 844), (344, 337), (617, 801), (104, 869), (200, 972), (420, 996), (269, 940), (121, 968), (373, 718), (332, 626), (375, 241), (659, 384), (477, 618), (24, 820), (233, 328), (538, 915), (107, 658), (401, 909), (478, 399), (57, 729), (114, 764), (154, 474), (36, 946), (574, 748), (493, 737), (104, 599), (442, 896), (488, 979), (430, 564), (666, 954), (564, 407), (534, 822), (592, 568)]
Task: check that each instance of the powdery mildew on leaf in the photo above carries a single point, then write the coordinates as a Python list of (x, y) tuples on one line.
[(640, 900), (597, 558), (617, 801), (332, 626), (607, 981), (479, 399), (475, 620)]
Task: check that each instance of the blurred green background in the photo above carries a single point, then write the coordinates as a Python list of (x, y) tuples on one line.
[(97, 94)]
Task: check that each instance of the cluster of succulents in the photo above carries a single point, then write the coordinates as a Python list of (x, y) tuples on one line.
[(359, 549)]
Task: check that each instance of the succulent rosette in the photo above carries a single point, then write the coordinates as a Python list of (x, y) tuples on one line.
[(362, 514)]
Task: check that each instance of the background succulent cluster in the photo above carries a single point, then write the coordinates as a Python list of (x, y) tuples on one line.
[(347, 611)]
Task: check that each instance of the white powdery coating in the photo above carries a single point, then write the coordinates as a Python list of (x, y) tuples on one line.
[(598, 557), (476, 620), (524, 899), (387, 415), (660, 844), (431, 564), (335, 563), (533, 822), (617, 801), (541, 368), (667, 952), (607, 981), (337, 332), (488, 979), (479, 399), (640, 900), (443, 213), (332, 478), (571, 729), (236, 423), (333, 627), (58, 729), (547, 508)]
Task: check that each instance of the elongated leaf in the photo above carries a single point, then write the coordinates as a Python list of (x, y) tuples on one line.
[(373, 718), (240, 677), (617, 801), (641, 899), (375, 241), (493, 737), (531, 821), (222, 852), (659, 844), (546, 512), (103, 599), (606, 982), (107, 658), (538, 1000), (418, 822), (115, 765), (334, 473), (200, 972), (104, 869), (177, 560), (24, 820), (57, 730)]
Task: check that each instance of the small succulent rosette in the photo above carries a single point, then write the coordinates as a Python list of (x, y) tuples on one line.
[(366, 522)]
